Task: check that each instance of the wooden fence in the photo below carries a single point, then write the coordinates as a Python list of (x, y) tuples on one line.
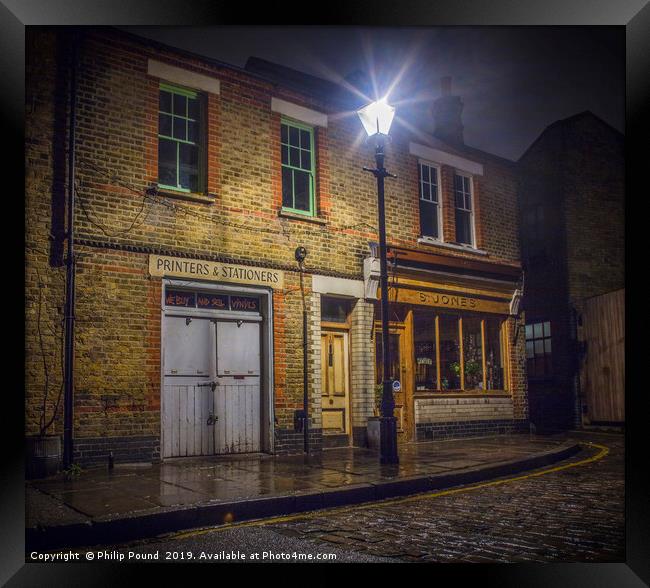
[(603, 369)]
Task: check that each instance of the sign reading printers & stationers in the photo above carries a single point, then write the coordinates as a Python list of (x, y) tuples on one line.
[(163, 266)]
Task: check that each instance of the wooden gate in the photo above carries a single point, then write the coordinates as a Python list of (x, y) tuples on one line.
[(603, 369)]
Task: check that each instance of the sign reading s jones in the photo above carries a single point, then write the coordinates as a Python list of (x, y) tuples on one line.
[(160, 265)]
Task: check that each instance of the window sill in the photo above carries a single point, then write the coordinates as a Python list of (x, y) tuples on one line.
[(461, 394), (436, 243), (302, 217), (191, 196)]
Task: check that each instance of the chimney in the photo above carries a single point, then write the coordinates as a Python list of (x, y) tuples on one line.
[(446, 111)]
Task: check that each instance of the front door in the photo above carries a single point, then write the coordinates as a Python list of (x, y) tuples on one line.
[(399, 370), (335, 390)]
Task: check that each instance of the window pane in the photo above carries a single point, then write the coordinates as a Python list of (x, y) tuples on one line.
[(193, 108), (167, 162), (425, 172), (165, 125), (547, 329), (539, 347), (460, 202), (424, 336), (463, 228), (530, 349), (434, 175), (287, 187), (189, 166), (294, 157), (305, 157), (192, 131), (458, 183), (293, 136), (547, 346), (165, 101), (284, 134), (537, 330), (529, 331), (429, 219), (449, 352), (180, 105), (179, 128), (473, 353), (285, 155), (334, 310), (301, 190), (493, 365), (305, 143), (468, 201)]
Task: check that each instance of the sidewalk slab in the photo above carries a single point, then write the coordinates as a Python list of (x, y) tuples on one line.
[(103, 507)]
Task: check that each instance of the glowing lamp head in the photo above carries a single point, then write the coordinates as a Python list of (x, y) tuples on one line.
[(377, 117)]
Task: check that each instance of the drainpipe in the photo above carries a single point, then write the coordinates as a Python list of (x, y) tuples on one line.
[(300, 255), (70, 267)]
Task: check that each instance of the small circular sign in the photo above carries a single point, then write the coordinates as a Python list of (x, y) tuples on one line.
[(397, 386)]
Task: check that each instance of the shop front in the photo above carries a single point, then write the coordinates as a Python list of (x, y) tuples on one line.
[(454, 345), (216, 353)]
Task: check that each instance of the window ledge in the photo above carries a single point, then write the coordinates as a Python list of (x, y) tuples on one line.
[(435, 242), (302, 217), (461, 394), (191, 196)]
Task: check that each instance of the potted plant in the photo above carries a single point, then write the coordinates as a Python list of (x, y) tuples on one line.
[(43, 452)]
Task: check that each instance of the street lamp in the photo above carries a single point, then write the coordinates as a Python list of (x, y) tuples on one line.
[(376, 119)]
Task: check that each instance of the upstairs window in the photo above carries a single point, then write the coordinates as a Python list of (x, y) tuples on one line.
[(538, 349), (430, 218), (464, 209), (180, 147), (298, 168)]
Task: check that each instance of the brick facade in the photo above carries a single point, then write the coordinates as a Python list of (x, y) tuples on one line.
[(238, 219), (575, 170)]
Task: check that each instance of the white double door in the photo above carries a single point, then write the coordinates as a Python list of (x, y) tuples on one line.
[(212, 391)]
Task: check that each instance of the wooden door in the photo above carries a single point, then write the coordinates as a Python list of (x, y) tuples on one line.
[(401, 351), (335, 389), (188, 400)]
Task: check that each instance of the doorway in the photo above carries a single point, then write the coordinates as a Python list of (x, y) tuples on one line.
[(335, 383), (213, 375)]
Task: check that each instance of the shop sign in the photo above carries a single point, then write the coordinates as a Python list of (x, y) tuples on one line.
[(163, 266), (447, 300)]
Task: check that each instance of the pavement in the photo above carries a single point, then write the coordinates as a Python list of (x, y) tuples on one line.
[(100, 507)]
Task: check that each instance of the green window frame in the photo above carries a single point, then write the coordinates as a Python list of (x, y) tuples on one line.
[(180, 139), (298, 168)]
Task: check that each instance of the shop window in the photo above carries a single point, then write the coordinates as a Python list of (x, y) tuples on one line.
[(334, 310), (493, 361), (180, 139), (472, 353), (464, 209), (442, 363), (538, 349), (449, 336), (298, 168), (430, 218), (424, 334)]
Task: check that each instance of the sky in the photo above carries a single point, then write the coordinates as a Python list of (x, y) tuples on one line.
[(513, 81)]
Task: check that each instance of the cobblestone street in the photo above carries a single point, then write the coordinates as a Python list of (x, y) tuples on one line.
[(576, 514)]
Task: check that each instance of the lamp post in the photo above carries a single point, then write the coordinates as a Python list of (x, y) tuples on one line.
[(376, 119)]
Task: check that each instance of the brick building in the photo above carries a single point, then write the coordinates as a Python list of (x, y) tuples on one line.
[(573, 249), (195, 183)]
